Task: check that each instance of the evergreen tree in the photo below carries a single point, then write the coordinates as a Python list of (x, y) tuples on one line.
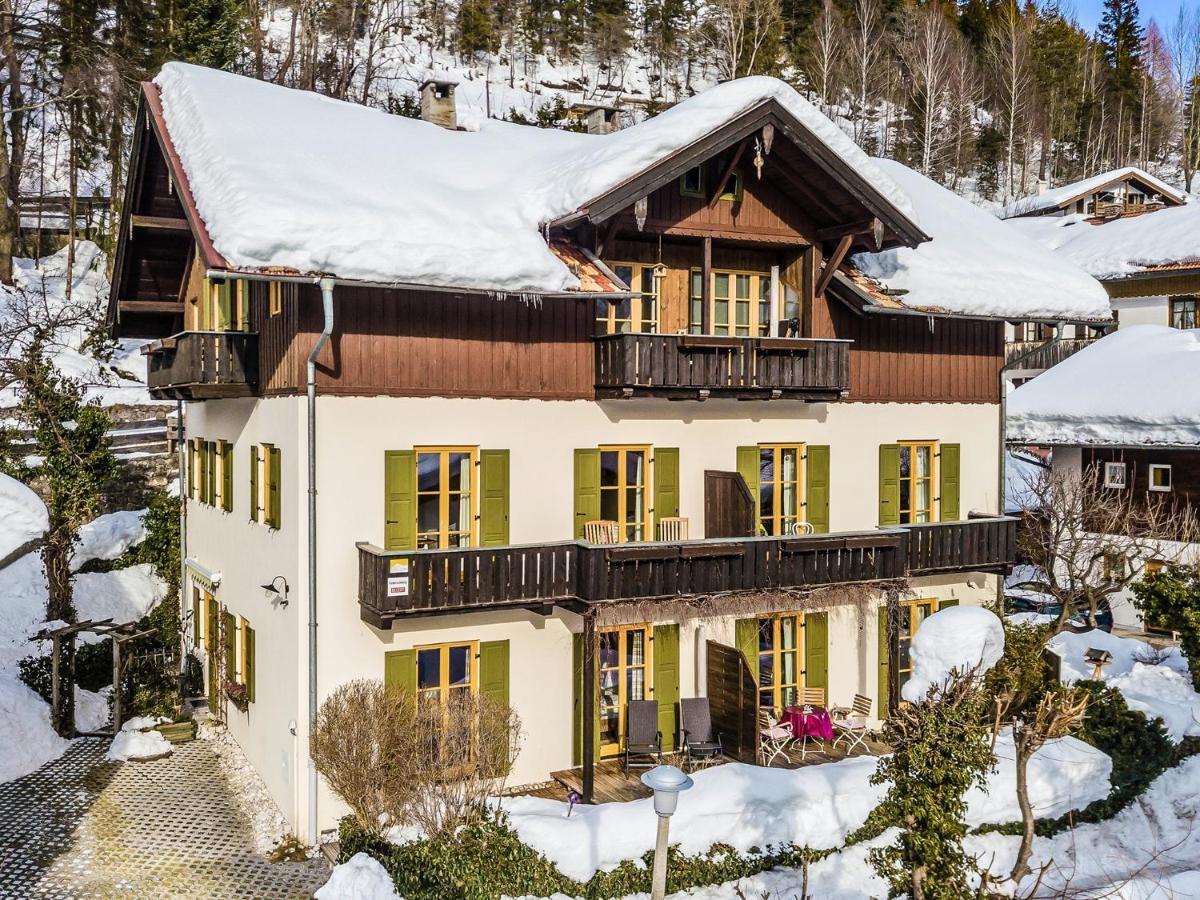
[(1120, 36), (476, 33), (207, 32)]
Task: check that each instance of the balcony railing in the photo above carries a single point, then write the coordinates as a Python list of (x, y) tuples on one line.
[(201, 365), (1043, 354), (393, 584), (698, 366)]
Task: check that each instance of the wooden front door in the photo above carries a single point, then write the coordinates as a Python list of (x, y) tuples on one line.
[(728, 505)]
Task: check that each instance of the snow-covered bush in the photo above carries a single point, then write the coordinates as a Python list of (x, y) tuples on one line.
[(956, 640)]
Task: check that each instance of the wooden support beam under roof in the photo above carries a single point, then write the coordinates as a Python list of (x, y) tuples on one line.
[(872, 226), (833, 263), (150, 306), (161, 223), (723, 181)]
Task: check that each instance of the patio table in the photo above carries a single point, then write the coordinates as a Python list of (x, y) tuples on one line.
[(815, 723)]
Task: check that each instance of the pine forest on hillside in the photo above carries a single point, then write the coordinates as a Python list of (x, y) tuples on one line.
[(988, 97)]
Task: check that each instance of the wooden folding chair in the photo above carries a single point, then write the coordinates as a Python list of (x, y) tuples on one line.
[(773, 738), (600, 531), (673, 528), (851, 724)]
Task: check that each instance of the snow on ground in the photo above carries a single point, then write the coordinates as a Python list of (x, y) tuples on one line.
[(1151, 681), (1122, 247), (1015, 277), (137, 739), (123, 596), (1083, 187), (264, 209), (1112, 392), (23, 597), (23, 514), (92, 712), (27, 739), (959, 638), (815, 806), (266, 820), (109, 536), (359, 878)]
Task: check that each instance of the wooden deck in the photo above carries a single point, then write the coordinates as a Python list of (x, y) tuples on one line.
[(613, 785)]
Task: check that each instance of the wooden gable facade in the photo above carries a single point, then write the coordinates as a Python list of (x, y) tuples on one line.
[(756, 201)]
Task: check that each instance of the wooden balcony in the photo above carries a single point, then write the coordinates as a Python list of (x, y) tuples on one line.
[(397, 584), (1042, 354), (202, 365), (693, 366)]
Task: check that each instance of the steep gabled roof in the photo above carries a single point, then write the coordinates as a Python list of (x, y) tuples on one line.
[(1129, 388), (291, 180), (1060, 197), (975, 265)]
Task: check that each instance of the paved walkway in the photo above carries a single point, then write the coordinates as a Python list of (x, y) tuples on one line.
[(82, 827)]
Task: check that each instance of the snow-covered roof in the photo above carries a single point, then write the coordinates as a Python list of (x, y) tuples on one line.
[(1128, 388), (1123, 247), (975, 264), (1067, 193), (292, 180)]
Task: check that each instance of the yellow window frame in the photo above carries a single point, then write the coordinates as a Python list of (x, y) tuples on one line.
[(757, 302), (914, 480), (913, 609), (274, 298), (239, 650), (444, 493), (777, 653), (622, 669), (443, 687), (607, 321), (774, 522), (621, 488)]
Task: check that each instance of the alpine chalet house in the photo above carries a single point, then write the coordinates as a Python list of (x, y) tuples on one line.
[(694, 407), (1120, 409), (1034, 346)]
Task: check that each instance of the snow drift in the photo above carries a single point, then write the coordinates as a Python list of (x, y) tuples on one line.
[(959, 638)]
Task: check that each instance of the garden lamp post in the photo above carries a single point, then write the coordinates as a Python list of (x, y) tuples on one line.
[(666, 782)]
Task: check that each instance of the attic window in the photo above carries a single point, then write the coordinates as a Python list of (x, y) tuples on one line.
[(691, 183), (1160, 478), (1114, 475), (733, 190)]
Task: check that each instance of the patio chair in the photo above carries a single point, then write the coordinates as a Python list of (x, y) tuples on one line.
[(600, 531), (812, 696), (642, 737), (801, 528), (673, 528), (773, 738), (851, 724), (700, 745)]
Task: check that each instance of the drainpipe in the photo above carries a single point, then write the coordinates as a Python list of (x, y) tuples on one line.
[(326, 285), (181, 480)]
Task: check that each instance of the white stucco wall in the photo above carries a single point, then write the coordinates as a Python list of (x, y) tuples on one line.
[(1142, 311), (354, 433)]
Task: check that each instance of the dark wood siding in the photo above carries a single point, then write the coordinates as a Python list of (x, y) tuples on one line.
[(433, 343), (281, 355), (913, 359), (1185, 470)]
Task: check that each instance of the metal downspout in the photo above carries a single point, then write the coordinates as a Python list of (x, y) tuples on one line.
[(326, 285), (181, 480)]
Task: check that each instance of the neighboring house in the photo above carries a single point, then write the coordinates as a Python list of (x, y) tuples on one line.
[(1122, 407), (584, 412), (1128, 191)]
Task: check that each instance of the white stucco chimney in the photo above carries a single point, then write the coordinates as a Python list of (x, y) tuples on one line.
[(437, 103)]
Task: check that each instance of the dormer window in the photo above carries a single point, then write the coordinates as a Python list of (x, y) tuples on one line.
[(691, 182), (733, 189)]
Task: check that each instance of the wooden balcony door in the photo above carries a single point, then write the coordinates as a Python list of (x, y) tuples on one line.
[(728, 505), (739, 303), (626, 673), (446, 497)]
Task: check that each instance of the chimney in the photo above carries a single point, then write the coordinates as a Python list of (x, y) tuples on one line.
[(1042, 186), (599, 119), (437, 103)]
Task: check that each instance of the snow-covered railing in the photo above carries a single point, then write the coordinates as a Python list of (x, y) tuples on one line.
[(639, 364), (1042, 354)]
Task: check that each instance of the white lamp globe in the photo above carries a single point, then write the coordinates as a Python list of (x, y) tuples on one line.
[(666, 782)]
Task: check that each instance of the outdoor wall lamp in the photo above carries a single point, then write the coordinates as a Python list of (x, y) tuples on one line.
[(277, 591), (667, 782)]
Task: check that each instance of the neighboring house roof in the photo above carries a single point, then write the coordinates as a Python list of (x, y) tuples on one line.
[(1059, 197), (292, 180), (1124, 248), (975, 265), (1126, 389)]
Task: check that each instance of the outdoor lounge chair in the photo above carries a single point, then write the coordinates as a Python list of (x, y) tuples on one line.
[(773, 738), (642, 737), (700, 745), (851, 724)]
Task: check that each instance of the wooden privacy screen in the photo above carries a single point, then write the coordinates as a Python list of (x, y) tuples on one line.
[(733, 701)]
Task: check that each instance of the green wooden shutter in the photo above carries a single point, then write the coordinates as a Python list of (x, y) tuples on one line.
[(493, 671), (493, 503), (666, 485), (210, 473), (747, 467), (248, 645), (210, 606), (816, 651), (224, 306), (229, 624), (666, 680), (745, 638), (577, 714), (883, 706), (197, 612), (192, 473), (400, 496), (400, 670), (949, 482), (944, 603), (587, 488), (889, 484), (227, 476), (254, 507), (274, 477), (816, 488)]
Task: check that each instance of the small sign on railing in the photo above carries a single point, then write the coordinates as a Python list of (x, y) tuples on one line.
[(397, 583)]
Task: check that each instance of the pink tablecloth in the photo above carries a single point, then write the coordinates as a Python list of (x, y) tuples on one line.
[(815, 724)]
